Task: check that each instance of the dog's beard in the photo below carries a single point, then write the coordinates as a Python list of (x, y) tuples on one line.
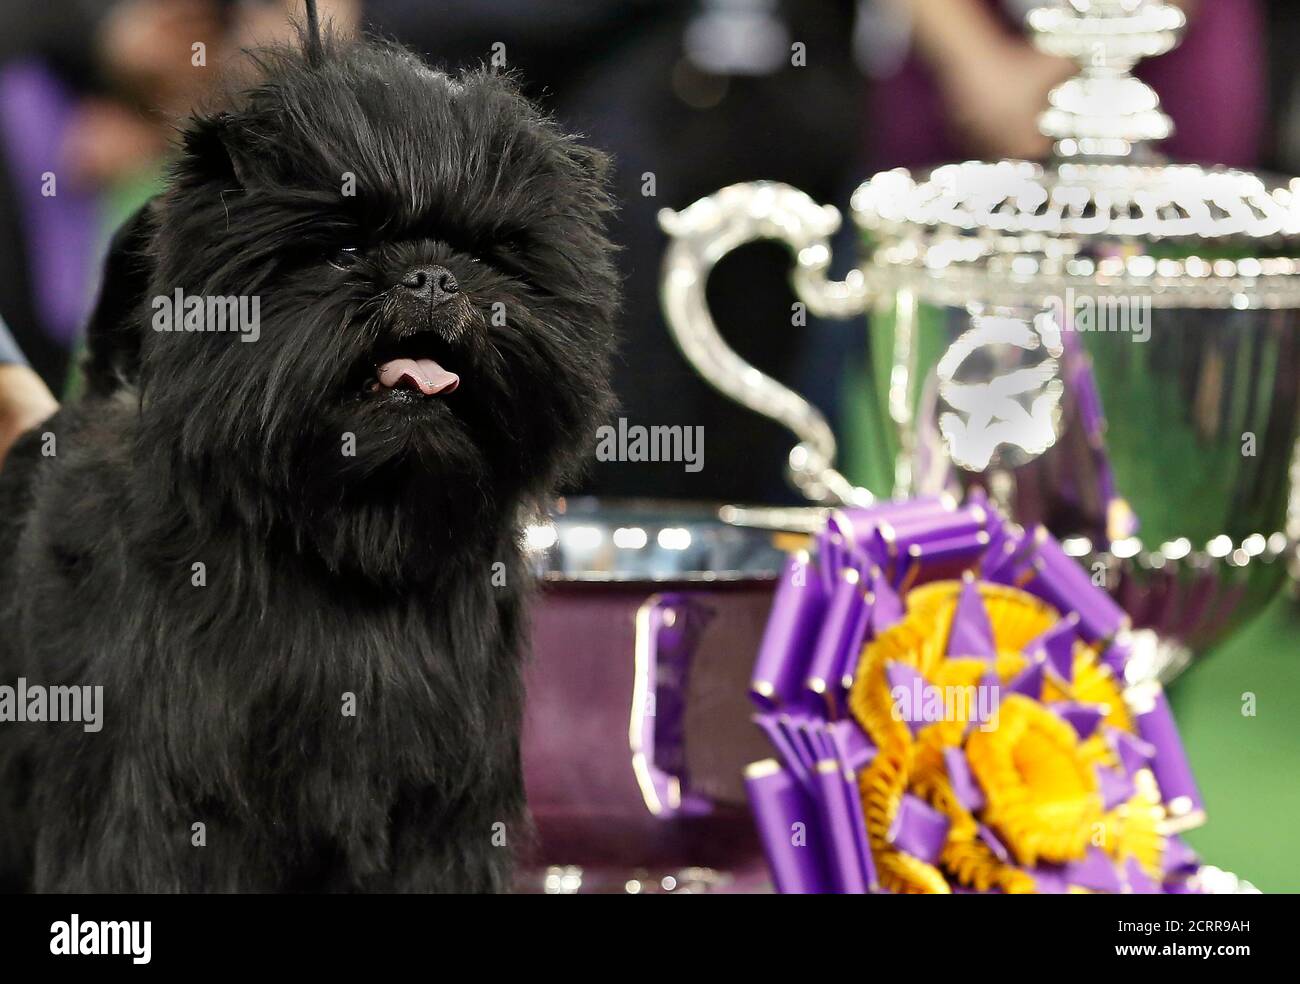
[(407, 468)]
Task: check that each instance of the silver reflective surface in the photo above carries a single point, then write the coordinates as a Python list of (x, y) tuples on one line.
[(590, 540)]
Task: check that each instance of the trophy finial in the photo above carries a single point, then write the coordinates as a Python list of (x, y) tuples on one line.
[(1105, 111)]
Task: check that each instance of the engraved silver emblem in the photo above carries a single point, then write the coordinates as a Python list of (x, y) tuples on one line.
[(998, 398)]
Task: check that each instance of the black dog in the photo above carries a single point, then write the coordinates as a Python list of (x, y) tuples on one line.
[(293, 563)]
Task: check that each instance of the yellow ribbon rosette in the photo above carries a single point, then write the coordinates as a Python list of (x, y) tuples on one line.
[(1021, 720)]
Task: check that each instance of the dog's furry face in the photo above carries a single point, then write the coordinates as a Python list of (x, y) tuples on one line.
[(381, 212)]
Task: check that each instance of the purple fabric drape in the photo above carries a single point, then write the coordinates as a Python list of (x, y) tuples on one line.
[(60, 230)]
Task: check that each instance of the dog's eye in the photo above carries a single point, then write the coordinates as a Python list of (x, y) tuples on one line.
[(345, 258)]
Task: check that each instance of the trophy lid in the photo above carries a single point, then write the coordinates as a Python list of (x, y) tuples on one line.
[(1106, 211)]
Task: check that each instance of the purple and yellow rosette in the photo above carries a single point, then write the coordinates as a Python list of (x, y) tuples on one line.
[(947, 697)]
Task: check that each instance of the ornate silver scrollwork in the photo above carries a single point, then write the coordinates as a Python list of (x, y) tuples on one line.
[(1017, 406), (705, 232)]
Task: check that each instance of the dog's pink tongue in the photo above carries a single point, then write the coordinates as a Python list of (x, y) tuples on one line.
[(424, 374)]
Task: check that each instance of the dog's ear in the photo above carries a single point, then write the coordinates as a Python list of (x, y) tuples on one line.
[(116, 327), (213, 149)]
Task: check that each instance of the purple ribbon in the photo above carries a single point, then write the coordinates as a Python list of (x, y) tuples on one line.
[(828, 606)]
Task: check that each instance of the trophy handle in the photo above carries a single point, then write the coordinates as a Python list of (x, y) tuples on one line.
[(701, 235)]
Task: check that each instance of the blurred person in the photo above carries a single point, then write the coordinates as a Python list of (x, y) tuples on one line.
[(89, 91), (956, 79), (25, 401), (71, 135)]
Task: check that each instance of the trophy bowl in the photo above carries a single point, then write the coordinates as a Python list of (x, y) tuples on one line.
[(637, 727), (1104, 343)]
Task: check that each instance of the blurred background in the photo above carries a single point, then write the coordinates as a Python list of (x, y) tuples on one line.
[(688, 95)]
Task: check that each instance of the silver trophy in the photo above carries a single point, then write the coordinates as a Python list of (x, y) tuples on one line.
[(1105, 343)]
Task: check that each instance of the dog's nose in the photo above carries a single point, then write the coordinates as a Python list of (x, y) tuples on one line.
[(434, 284)]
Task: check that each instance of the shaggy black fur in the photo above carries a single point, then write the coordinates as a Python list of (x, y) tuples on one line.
[(378, 574)]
